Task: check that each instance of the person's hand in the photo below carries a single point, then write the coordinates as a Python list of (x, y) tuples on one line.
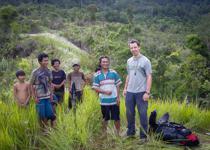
[(124, 92), (59, 86), (20, 104), (55, 86), (51, 98), (52, 86), (118, 101), (145, 96), (36, 100), (107, 92)]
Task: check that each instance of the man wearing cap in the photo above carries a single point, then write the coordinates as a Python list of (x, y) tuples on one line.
[(78, 78)]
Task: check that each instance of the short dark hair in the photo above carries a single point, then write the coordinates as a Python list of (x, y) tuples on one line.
[(102, 57), (133, 41), (20, 73), (55, 60), (75, 65), (41, 56)]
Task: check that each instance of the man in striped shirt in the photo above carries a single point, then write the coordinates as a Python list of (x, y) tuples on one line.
[(107, 83)]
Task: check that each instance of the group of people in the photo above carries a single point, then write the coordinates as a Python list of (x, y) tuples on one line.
[(106, 82), (47, 87)]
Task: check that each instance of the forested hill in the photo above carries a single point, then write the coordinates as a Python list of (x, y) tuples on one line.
[(184, 9), (188, 12), (174, 35)]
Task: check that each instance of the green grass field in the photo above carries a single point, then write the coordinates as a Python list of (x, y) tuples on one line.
[(20, 129)]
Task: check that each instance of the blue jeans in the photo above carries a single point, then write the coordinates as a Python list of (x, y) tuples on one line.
[(133, 99)]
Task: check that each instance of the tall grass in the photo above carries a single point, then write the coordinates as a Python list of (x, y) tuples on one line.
[(19, 127), (74, 131), (190, 115)]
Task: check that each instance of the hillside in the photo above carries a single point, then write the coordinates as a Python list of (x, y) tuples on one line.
[(174, 35)]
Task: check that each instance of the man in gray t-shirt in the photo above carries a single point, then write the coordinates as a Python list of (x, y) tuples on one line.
[(78, 78), (137, 89), (41, 80)]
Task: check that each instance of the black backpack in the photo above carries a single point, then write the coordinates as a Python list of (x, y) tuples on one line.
[(172, 132)]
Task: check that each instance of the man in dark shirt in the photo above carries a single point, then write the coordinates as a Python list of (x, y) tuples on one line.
[(59, 79)]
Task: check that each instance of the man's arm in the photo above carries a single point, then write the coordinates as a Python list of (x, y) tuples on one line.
[(96, 86), (34, 94), (57, 86), (64, 81), (29, 93), (69, 85), (98, 90), (149, 83), (118, 95), (69, 81), (51, 90), (126, 85), (148, 70), (15, 92), (33, 90), (83, 78), (31, 85), (51, 86)]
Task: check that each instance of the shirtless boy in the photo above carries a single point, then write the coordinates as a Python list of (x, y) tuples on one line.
[(22, 92)]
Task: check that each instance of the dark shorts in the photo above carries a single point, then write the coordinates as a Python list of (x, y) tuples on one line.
[(45, 109), (110, 112)]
